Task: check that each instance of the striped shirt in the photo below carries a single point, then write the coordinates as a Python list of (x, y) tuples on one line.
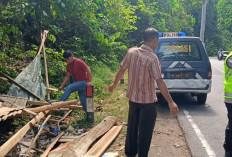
[(143, 69)]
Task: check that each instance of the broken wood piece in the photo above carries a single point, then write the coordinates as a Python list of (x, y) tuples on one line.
[(60, 147), (15, 104), (58, 123), (37, 135), (67, 138), (52, 145), (31, 102), (23, 88), (44, 129), (52, 89), (75, 107), (3, 78), (36, 149), (30, 112), (53, 106), (100, 147), (79, 147), (9, 144)]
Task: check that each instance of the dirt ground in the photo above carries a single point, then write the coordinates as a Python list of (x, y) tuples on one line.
[(168, 138)]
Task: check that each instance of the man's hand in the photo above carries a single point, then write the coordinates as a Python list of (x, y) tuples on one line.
[(173, 108), (60, 88), (111, 88), (88, 84)]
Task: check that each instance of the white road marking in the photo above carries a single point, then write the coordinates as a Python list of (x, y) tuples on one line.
[(201, 137), (217, 68)]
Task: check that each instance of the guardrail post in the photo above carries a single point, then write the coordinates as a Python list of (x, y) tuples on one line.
[(89, 103)]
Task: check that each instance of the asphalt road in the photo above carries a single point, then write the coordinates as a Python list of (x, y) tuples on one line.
[(204, 125)]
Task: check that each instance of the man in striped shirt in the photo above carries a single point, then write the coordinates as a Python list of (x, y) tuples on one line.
[(143, 70)]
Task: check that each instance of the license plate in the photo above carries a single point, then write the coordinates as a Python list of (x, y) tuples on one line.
[(179, 75)]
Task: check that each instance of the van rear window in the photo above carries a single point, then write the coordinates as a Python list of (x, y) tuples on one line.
[(178, 51)]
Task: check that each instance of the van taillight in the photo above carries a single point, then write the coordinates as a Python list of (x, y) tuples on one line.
[(209, 73)]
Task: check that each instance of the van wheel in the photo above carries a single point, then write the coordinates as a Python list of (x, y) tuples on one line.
[(201, 98)]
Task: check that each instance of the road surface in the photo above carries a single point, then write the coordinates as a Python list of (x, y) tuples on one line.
[(204, 125)]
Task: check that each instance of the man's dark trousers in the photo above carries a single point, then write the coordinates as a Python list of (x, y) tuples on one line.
[(141, 122), (228, 135)]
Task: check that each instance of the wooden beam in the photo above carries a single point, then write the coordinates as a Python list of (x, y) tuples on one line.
[(8, 145), (100, 147), (79, 147), (52, 145), (53, 106), (23, 88)]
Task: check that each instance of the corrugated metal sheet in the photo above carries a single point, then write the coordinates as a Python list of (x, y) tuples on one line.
[(11, 106)]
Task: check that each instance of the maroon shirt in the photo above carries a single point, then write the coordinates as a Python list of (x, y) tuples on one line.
[(78, 70)]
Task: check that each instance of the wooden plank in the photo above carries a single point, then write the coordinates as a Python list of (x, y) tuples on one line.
[(8, 145), (52, 145), (79, 147), (23, 88), (100, 147), (53, 106), (31, 102)]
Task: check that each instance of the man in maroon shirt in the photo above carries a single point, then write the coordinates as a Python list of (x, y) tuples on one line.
[(81, 74)]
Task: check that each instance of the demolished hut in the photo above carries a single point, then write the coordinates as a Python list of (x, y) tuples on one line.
[(43, 133)]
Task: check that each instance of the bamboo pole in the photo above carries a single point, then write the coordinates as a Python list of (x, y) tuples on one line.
[(43, 40), (46, 72)]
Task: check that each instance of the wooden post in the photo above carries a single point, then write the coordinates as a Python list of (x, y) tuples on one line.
[(46, 72)]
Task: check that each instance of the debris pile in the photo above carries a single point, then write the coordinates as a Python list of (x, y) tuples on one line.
[(47, 134)]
